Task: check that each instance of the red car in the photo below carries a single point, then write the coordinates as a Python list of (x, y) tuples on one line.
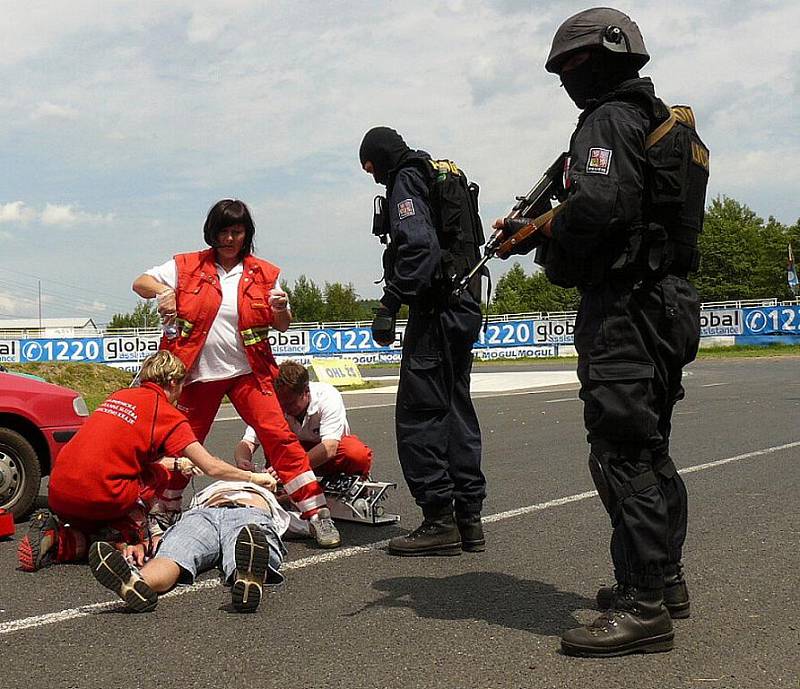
[(36, 421)]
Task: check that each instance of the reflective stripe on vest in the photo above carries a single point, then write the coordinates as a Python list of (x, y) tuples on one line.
[(253, 336), (184, 327)]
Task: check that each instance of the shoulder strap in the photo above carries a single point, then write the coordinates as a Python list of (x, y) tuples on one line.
[(677, 113)]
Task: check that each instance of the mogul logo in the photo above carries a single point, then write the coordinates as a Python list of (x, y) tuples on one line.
[(550, 332), (721, 322), (290, 342), (129, 348), (9, 351)]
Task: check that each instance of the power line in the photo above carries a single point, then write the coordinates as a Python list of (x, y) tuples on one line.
[(103, 296)]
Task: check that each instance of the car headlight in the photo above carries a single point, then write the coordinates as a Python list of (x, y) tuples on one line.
[(80, 407)]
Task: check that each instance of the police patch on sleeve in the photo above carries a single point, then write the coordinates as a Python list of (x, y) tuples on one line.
[(599, 161), (405, 209)]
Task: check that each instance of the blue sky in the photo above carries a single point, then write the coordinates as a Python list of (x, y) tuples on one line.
[(124, 121)]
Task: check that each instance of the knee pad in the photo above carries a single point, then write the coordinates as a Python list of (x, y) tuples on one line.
[(600, 480)]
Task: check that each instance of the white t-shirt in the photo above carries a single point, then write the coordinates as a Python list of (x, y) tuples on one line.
[(325, 418), (223, 355), (230, 489)]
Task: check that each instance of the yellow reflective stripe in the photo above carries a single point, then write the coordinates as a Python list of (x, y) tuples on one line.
[(253, 336), (184, 326)]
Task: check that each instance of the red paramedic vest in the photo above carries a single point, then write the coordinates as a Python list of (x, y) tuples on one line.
[(199, 296)]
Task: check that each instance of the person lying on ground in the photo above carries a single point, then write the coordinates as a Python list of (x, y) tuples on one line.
[(236, 525)]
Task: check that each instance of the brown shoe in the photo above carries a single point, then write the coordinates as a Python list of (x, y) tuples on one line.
[(435, 536), (638, 623), (471, 530), (676, 596)]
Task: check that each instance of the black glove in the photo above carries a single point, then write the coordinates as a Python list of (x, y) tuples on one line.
[(383, 327)]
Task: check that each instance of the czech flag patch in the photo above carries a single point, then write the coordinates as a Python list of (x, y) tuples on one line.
[(405, 209), (599, 161)]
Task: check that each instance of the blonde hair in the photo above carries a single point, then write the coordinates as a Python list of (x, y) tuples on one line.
[(161, 368)]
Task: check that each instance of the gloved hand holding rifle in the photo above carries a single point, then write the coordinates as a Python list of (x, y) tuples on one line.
[(527, 223)]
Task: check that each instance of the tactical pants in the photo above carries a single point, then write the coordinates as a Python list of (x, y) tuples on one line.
[(438, 436), (633, 342)]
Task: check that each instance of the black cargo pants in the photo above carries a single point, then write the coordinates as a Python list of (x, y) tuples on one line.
[(633, 342), (438, 436)]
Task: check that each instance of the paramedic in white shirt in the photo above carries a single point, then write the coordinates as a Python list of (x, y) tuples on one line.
[(316, 415)]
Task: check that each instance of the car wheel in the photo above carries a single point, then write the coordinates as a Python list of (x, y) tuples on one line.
[(20, 473)]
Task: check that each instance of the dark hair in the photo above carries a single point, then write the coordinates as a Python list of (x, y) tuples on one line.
[(293, 376), (227, 213)]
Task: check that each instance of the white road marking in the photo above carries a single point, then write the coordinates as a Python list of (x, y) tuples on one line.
[(479, 396), (340, 554), (713, 385)]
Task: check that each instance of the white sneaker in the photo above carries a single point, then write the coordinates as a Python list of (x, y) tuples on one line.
[(112, 570), (324, 530)]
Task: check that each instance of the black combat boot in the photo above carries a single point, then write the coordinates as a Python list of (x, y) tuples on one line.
[(638, 623), (471, 530), (676, 596), (437, 535)]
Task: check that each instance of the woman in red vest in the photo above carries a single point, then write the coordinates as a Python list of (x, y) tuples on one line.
[(218, 305)]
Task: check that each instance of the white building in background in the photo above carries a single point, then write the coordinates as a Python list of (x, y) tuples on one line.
[(46, 327)]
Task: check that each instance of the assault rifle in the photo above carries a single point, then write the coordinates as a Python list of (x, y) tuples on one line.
[(530, 213)]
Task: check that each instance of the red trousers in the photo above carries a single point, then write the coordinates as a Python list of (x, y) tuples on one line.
[(261, 410), (74, 534), (353, 458)]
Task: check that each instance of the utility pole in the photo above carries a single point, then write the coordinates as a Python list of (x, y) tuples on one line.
[(40, 305)]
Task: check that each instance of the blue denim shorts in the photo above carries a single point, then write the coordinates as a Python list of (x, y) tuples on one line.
[(206, 536)]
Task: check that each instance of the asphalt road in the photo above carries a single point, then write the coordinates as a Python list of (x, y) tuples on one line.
[(357, 617)]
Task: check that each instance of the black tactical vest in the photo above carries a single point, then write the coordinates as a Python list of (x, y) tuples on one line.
[(665, 242), (459, 231)]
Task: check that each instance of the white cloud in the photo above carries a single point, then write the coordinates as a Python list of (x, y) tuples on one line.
[(55, 214), (16, 212), (47, 110)]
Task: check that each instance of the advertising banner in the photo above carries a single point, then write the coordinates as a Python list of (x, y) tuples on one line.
[(508, 339), (772, 320), (720, 322), (88, 350), (9, 351)]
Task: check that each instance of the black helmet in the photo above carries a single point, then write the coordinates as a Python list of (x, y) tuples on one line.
[(599, 27)]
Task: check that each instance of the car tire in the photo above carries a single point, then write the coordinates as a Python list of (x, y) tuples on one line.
[(20, 473)]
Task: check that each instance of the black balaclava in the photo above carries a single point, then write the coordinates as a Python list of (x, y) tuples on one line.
[(385, 149), (599, 75)]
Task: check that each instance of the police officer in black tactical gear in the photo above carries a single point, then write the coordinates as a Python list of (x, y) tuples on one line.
[(627, 238), (433, 234)]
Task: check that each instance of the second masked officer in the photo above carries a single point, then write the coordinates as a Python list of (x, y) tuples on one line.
[(432, 230)]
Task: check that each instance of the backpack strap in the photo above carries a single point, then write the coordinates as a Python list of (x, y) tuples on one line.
[(661, 131)]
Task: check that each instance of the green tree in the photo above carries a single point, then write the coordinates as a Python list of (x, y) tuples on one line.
[(145, 315), (307, 301), (741, 256), (517, 292), (341, 302), (730, 240)]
